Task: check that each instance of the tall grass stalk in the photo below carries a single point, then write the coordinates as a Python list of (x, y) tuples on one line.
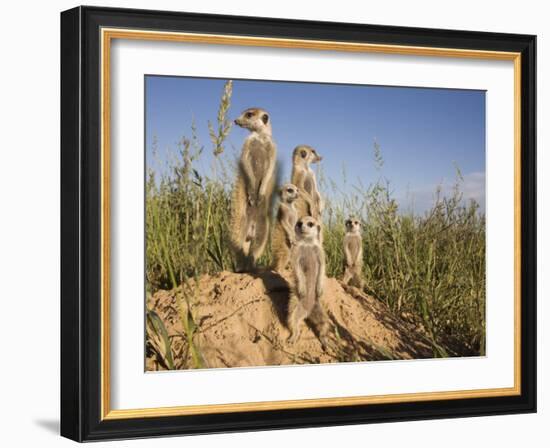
[(218, 139)]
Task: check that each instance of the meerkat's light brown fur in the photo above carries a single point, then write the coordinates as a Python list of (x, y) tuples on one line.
[(308, 269), (253, 190), (310, 202), (353, 251), (283, 236)]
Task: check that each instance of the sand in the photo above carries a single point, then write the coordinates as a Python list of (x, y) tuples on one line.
[(240, 321)]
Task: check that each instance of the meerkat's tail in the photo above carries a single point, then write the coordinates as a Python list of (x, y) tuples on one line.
[(238, 211), (261, 234), (238, 227)]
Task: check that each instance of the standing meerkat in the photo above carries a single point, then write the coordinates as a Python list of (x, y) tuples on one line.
[(284, 233), (310, 202), (251, 202), (353, 251), (308, 269)]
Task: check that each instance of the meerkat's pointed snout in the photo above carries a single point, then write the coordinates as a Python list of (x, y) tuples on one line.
[(255, 120)]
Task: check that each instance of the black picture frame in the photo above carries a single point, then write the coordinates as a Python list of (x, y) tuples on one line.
[(81, 224)]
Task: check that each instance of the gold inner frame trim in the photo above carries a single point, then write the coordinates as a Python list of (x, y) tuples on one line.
[(107, 35)]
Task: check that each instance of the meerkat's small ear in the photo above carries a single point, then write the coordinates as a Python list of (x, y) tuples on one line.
[(265, 118), (303, 153)]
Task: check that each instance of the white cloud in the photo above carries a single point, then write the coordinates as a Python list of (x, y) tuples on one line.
[(472, 186)]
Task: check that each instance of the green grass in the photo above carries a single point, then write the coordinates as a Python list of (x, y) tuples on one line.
[(428, 268)]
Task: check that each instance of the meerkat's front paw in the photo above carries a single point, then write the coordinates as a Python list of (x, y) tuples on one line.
[(261, 192)]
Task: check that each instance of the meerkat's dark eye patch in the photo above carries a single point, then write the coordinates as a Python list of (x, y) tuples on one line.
[(289, 190), (303, 153), (310, 224), (249, 115), (265, 118)]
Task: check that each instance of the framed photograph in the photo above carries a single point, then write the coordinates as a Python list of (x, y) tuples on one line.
[(273, 223)]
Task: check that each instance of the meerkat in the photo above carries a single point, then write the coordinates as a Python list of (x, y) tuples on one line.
[(252, 194), (353, 251), (283, 237), (308, 269), (310, 202)]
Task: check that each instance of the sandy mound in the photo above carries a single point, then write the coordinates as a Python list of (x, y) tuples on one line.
[(240, 320)]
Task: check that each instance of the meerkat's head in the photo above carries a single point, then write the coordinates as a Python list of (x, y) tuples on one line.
[(353, 225), (255, 120), (305, 154), (288, 193), (308, 229)]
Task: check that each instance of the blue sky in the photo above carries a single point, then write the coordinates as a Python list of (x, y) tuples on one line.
[(422, 132)]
